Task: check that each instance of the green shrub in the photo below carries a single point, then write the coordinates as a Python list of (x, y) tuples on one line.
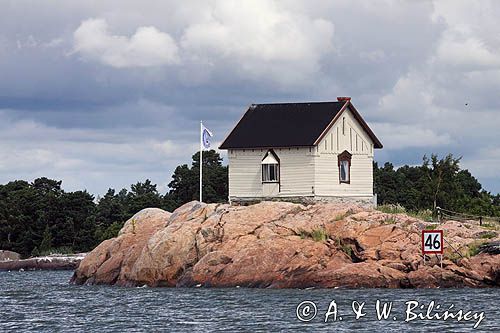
[(431, 226), (319, 235)]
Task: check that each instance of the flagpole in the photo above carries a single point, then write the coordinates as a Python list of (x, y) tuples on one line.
[(201, 160)]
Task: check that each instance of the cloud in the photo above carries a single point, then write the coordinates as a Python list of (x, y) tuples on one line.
[(87, 158), (410, 66), (262, 39), (146, 47), (397, 137), (469, 54)]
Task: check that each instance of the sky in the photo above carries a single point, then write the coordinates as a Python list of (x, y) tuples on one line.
[(103, 94)]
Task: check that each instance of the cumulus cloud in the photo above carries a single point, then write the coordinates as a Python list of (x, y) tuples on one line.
[(146, 47), (469, 54), (262, 39), (424, 74)]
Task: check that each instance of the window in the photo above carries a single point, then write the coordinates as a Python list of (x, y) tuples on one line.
[(344, 171), (270, 168), (270, 172), (345, 167)]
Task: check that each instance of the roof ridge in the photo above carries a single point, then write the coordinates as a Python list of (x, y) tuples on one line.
[(298, 103)]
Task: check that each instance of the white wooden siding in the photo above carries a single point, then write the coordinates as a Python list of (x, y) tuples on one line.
[(354, 139), (296, 172), (327, 181)]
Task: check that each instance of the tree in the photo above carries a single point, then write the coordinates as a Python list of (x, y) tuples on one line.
[(185, 180), (437, 182), (46, 243), (143, 195), (441, 174)]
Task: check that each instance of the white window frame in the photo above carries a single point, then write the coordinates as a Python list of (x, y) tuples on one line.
[(270, 173), (344, 165)]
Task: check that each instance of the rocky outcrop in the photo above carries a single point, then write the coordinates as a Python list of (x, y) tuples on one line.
[(9, 255), (112, 260), (284, 245), (51, 262)]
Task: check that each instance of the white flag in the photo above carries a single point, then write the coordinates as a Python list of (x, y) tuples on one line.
[(206, 135)]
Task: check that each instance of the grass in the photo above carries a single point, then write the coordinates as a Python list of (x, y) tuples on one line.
[(318, 235), (425, 214), (340, 217), (488, 235), (343, 215), (392, 209), (389, 220), (491, 226), (431, 227), (473, 249), (454, 256), (344, 247)]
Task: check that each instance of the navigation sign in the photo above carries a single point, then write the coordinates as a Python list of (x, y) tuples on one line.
[(432, 242)]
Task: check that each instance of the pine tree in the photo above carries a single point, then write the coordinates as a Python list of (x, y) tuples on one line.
[(46, 244)]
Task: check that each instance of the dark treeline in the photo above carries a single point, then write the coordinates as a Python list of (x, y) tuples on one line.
[(435, 183), (39, 217)]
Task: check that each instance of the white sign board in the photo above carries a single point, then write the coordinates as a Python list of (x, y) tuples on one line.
[(432, 241)]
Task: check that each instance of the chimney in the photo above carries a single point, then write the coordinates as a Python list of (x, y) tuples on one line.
[(341, 99)]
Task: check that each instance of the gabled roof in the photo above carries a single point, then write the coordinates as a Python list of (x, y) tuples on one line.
[(289, 125)]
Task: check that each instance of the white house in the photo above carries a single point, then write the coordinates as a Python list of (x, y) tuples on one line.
[(301, 152)]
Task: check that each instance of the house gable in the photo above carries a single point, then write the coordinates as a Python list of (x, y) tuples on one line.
[(348, 107), (346, 133)]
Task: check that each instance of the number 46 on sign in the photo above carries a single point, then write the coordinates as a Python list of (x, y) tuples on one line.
[(432, 242)]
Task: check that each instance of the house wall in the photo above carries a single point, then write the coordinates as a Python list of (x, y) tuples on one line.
[(353, 139), (296, 172)]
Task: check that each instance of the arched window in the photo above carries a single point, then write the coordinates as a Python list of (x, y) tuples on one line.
[(345, 167), (270, 168)]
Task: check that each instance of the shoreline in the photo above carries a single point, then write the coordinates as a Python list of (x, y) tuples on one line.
[(50, 262), (286, 245)]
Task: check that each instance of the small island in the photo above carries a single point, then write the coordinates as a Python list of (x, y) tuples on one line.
[(289, 245)]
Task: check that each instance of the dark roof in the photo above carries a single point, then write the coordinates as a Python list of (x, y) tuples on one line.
[(286, 125)]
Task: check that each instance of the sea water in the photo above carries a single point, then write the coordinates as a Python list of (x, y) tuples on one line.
[(44, 301)]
